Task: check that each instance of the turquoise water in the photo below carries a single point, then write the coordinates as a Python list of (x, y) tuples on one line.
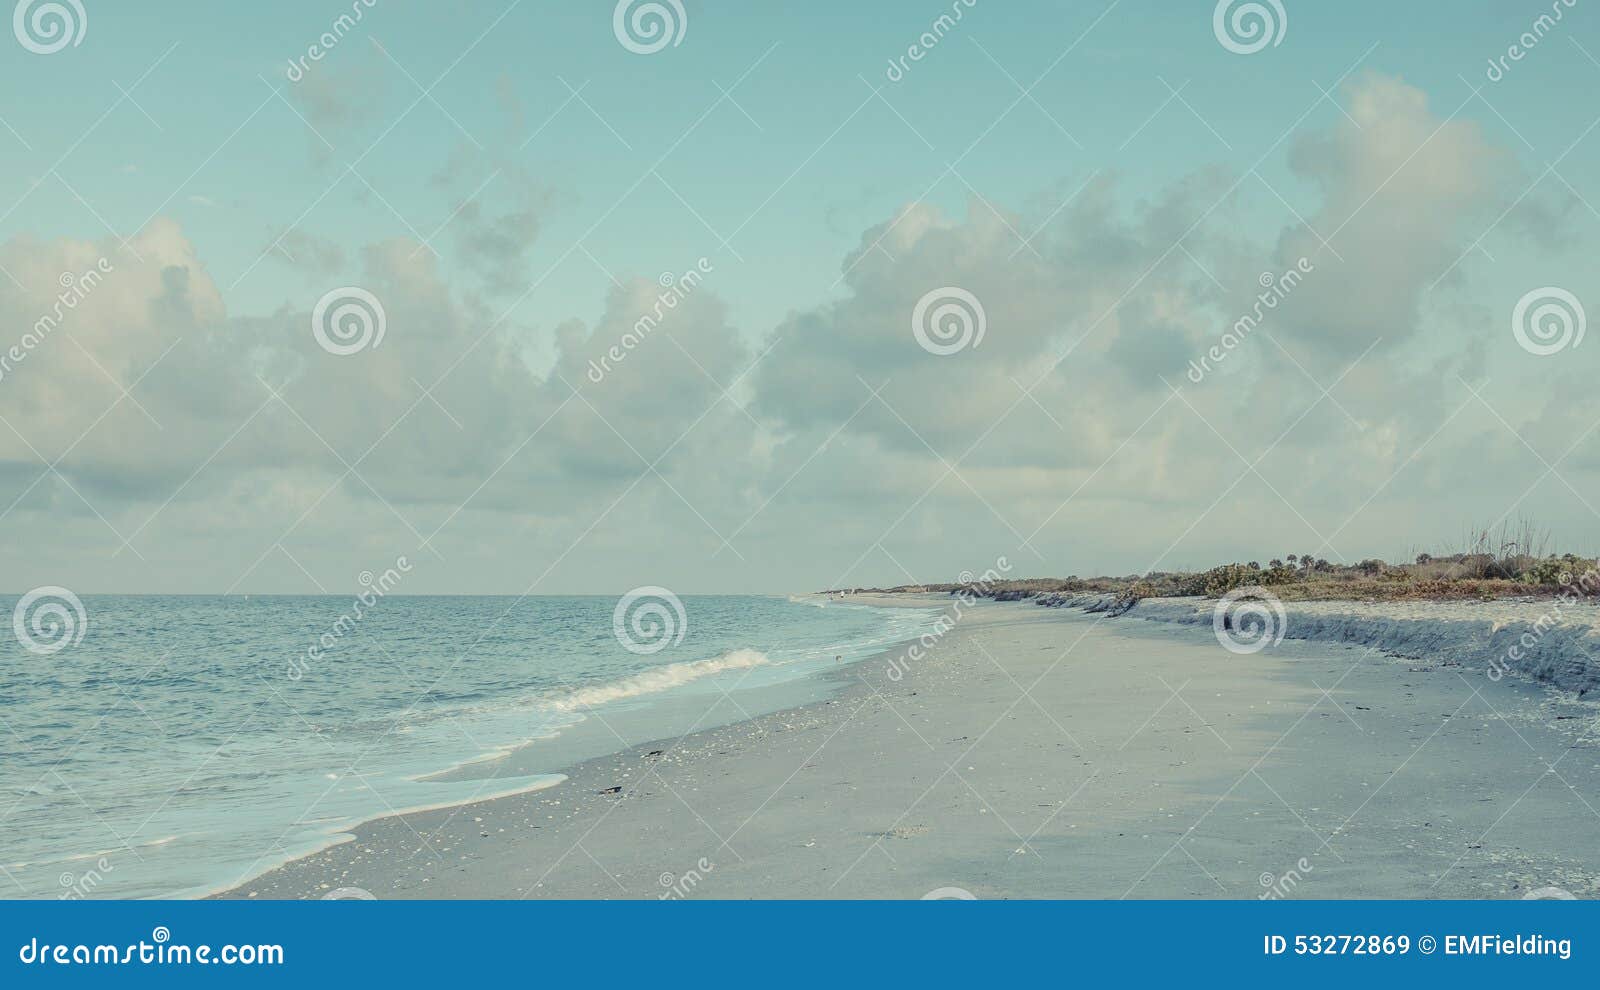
[(186, 743)]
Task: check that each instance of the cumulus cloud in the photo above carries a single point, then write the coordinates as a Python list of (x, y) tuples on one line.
[(1405, 192), (661, 434), (444, 416)]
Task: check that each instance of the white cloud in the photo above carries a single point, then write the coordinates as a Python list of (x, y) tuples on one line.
[(812, 476)]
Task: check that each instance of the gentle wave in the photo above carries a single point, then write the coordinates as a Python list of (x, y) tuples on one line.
[(96, 854), (550, 663), (660, 679)]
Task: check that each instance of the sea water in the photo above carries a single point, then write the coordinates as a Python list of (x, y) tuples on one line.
[(185, 744)]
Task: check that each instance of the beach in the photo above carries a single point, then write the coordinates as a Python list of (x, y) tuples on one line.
[(1037, 753)]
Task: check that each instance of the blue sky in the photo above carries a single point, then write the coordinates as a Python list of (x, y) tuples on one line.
[(809, 62), (770, 142)]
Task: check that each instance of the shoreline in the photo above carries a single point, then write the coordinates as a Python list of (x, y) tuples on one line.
[(546, 762), (1100, 781)]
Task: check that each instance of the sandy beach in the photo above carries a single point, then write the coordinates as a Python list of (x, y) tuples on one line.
[(1042, 753)]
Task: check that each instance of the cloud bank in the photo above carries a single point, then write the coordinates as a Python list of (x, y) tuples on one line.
[(154, 440)]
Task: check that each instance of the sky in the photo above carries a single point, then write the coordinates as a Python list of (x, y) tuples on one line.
[(289, 292)]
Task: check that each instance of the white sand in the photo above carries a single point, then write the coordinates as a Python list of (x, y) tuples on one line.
[(1142, 760)]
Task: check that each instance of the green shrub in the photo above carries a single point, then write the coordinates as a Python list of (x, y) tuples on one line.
[(1555, 572)]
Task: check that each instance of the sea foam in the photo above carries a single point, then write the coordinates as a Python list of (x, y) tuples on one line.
[(660, 679)]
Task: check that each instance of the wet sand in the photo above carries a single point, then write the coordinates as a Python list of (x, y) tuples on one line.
[(1043, 753)]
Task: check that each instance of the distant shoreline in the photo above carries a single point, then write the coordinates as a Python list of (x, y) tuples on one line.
[(1507, 566)]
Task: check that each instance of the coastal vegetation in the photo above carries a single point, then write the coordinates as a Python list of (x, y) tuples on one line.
[(1513, 561)]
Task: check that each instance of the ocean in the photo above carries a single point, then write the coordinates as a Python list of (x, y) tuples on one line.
[(175, 746)]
